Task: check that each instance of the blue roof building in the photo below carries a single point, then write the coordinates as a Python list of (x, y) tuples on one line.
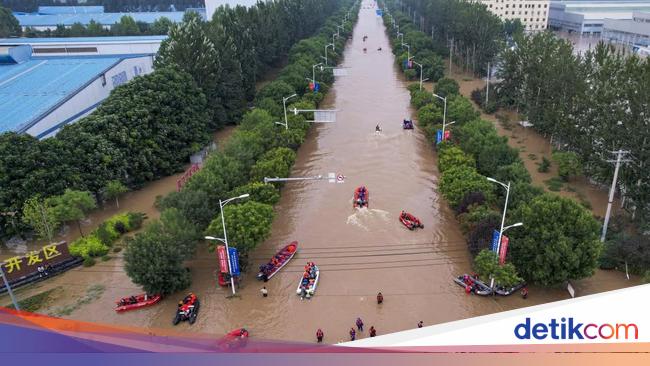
[(40, 95), (48, 17)]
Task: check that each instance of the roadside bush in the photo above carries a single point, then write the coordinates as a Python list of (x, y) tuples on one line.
[(89, 262), (471, 199), (446, 87), (568, 164), (259, 192), (479, 237), (450, 156), (195, 205), (458, 181), (461, 110), (274, 163), (86, 247), (421, 98), (544, 166), (487, 264), (429, 114)]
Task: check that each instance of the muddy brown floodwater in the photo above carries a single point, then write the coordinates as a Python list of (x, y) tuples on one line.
[(359, 251)]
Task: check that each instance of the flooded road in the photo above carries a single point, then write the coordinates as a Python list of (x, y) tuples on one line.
[(359, 251)]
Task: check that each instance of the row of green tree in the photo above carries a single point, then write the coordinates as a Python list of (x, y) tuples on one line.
[(127, 26), (146, 129), (474, 34), (560, 238), (589, 105), (259, 148)]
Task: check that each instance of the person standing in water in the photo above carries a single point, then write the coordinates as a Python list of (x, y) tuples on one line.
[(377, 128)]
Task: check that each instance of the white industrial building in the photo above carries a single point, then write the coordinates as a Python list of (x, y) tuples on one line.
[(40, 92), (634, 33), (533, 14), (588, 16)]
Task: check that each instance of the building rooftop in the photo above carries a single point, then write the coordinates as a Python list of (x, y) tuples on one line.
[(56, 40), (30, 89), (39, 20), (70, 9)]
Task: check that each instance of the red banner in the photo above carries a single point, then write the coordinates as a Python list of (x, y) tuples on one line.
[(504, 249), (223, 259), (447, 135)]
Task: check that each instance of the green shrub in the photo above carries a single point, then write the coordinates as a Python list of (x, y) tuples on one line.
[(446, 87), (568, 164), (260, 192), (486, 264), (89, 246), (452, 156), (544, 166), (88, 262), (458, 181), (421, 98), (117, 249)]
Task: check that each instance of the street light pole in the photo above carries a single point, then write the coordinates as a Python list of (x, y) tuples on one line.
[(444, 114), (11, 293), (313, 72), (505, 208), (326, 47), (487, 87), (225, 236), (408, 50), (420, 73), (284, 105)]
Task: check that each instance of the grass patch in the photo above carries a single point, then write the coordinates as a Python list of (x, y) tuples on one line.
[(554, 184), (544, 166), (35, 302), (106, 258), (92, 293), (532, 156), (570, 189), (117, 249)]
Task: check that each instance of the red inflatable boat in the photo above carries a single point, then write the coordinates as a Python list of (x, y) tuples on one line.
[(361, 197), (234, 339), (136, 302), (410, 221), (277, 262)]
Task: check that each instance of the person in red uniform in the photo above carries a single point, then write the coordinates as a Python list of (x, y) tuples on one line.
[(524, 292), (380, 298), (373, 331), (319, 335)]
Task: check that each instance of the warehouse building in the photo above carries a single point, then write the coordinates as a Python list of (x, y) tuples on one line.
[(588, 16), (633, 33), (85, 46), (49, 17), (41, 94)]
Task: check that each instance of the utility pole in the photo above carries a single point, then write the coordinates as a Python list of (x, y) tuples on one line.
[(619, 159), (487, 88), (11, 293), (451, 46)]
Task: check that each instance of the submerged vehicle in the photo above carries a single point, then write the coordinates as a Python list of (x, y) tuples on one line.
[(410, 221), (407, 124), (277, 262), (188, 309), (361, 197), (309, 281), (136, 302), (474, 284)]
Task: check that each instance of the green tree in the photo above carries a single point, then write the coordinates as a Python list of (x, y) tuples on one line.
[(161, 26), (568, 164), (126, 27), (72, 206), (153, 260), (259, 192), (461, 110), (195, 205), (183, 233), (113, 190), (274, 163), (559, 241), (248, 224), (38, 214), (458, 181), (450, 156), (95, 29), (487, 265), (9, 25), (446, 87)]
